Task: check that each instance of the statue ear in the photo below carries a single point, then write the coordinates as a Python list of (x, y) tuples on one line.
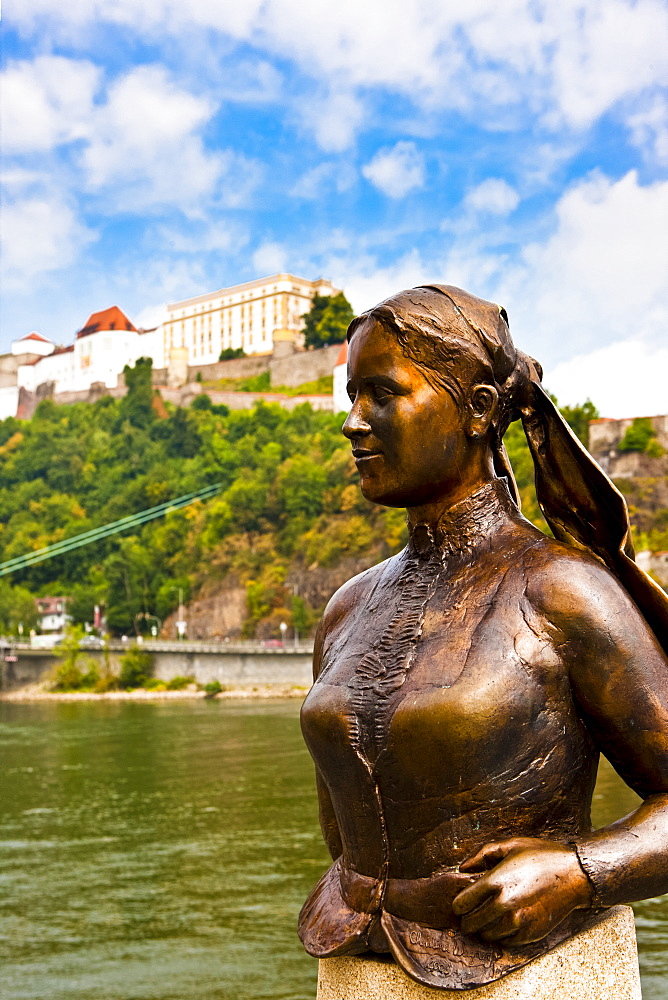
[(482, 406)]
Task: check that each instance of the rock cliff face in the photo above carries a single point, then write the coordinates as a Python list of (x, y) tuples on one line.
[(605, 438), (216, 613), (642, 476), (220, 610)]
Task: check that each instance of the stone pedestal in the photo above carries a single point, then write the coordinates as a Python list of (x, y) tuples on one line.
[(597, 964)]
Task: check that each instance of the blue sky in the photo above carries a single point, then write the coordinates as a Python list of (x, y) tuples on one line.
[(154, 150)]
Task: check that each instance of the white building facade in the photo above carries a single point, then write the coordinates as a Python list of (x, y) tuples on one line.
[(99, 354), (341, 398), (243, 316)]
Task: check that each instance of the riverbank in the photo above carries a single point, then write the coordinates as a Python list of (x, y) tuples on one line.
[(39, 692)]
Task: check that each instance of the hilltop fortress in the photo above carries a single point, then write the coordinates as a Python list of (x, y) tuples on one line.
[(263, 318)]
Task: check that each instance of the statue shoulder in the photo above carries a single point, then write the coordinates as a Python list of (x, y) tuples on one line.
[(572, 588), (351, 593)]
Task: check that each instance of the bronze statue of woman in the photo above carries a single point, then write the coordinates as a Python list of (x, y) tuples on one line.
[(465, 687)]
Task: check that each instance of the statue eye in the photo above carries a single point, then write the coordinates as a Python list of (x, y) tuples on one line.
[(381, 393)]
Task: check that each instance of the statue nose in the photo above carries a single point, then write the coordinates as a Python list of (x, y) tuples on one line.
[(355, 424)]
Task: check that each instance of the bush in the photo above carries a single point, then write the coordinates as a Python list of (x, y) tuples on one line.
[(154, 684), (69, 676), (179, 683), (641, 436), (212, 689), (136, 669), (230, 353), (256, 383), (201, 402), (73, 670)]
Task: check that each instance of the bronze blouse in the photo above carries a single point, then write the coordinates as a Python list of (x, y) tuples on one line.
[(438, 723)]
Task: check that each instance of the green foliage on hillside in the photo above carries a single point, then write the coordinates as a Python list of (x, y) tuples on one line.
[(641, 436), (262, 383), (289, 506), (327, 320)]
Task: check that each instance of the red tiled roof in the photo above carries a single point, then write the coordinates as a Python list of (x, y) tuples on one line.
[(49, 605), (108, 319), (62, 350), (34, 336)]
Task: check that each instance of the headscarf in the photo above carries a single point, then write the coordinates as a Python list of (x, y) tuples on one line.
[(459, 341)]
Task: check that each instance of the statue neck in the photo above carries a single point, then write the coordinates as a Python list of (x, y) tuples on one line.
[(460, 527)]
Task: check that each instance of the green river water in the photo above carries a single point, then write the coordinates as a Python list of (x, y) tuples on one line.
[(161, 851)]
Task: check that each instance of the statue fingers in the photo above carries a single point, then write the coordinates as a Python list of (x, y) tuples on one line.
[(483, 917), (491, 854), (472, 896), (505, 927), (485, 858)]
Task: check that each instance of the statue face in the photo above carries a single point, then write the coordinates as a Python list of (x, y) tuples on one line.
[(407, 437)]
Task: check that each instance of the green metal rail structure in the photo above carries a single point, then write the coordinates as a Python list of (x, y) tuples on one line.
[(106, 530)]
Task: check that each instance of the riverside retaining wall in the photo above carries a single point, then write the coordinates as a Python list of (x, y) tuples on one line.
[(239, 664)]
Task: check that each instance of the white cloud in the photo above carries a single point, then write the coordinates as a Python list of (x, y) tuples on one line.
[(139, 144), (200, 237), (570, 62), (145, 141), (595, 290), (396, 170), (604, 51), (494, 196), (625, 379), (46, 102), (315, 182), (334, 118), (270, 258), (250, 82), (649, 129), (366, 282), (601, 275), (41, 233), (151, 316)]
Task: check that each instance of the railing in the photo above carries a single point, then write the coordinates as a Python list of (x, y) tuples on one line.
[(210, 646), (180, 646)]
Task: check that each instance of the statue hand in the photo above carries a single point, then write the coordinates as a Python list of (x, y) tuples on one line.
[(529, 886)]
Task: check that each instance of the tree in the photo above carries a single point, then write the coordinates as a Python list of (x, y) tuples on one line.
[(230, 353), (300, 486), (577, 417), (327, 321), (17, 606), (137, 405), (311, 319)]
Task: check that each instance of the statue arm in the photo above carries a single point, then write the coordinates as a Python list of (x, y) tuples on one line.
[(619, 678), (342, 603), (328, 823), (619, 681)]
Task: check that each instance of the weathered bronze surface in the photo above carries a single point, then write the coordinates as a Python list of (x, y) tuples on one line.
[(465, 687)]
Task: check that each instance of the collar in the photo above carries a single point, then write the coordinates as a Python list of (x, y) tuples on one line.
[(463, 525)]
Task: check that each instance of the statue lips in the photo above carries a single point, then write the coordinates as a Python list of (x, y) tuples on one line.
[(364, 454)]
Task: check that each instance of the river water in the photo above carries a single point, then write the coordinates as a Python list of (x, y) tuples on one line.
[(161, 851)]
